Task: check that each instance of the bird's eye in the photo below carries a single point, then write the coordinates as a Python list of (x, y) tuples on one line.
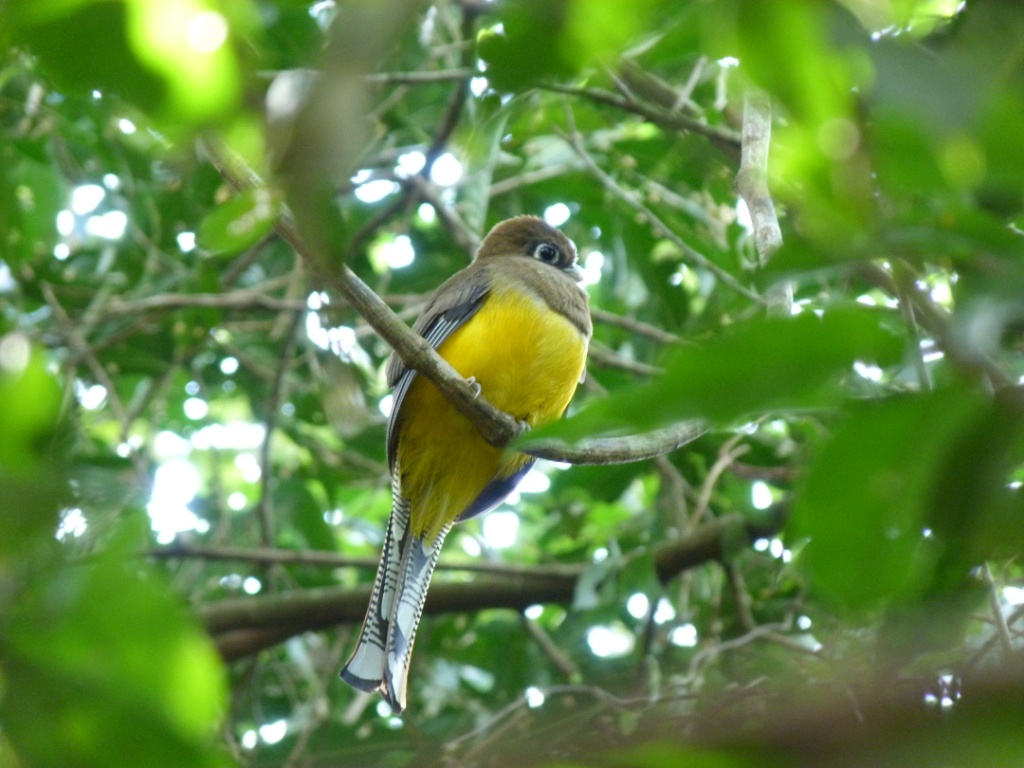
[(547, 253)]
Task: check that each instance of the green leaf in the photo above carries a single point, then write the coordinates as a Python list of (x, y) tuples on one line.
[(29, 405), (90, 648), (863, 506), (238, 224), (762, 365)]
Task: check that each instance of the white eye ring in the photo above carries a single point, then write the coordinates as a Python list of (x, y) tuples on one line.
[(547, 253)]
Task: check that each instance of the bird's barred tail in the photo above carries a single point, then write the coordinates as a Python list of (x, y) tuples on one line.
[(365, 668), (381, 658)]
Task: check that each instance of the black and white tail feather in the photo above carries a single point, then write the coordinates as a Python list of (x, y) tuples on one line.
[(380, 661)]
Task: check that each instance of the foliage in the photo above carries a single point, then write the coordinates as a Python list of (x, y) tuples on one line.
[(189, 405)]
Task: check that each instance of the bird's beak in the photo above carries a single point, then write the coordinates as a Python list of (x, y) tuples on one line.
[(575, 273)]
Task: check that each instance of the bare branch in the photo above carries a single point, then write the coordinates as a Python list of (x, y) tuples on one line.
[(617, 450), (320, 558), (266, 620), (724, 138), (419, 78), (635, 326)]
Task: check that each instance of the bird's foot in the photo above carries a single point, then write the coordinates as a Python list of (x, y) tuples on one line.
[(475, 385)]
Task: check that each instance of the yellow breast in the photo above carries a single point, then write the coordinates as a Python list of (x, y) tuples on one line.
[(527, 360)]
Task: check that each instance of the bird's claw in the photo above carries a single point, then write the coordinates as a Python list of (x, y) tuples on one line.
[(475, 385)]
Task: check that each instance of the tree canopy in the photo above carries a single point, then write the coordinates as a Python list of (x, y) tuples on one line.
[(782, 521)]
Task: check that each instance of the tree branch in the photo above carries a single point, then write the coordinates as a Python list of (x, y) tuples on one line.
[(617, 450), (324, 559), (260, 622)]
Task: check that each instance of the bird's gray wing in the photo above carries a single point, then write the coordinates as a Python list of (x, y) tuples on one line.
[(455, 302)]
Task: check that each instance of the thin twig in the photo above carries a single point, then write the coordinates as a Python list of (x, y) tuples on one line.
[(264, 509), (722, 137), (740, 596), (1002, 629), (633, 201), (635, 326), (566, 666), (419, 78), (236, 300), (604, 357), (726, 455)]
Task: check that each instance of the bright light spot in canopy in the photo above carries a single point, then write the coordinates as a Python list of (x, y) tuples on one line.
[(207, 31), (610, 641), (186, 241), (249, 467), (684, 636), (593, 263), (398, 253), (410, 163), (110, 226), (72, 523), (86, 198), (375, 191), (175, 484), (271, 733), (867, 371), (664, 612), (534, 697), (446, 170), (1013, 595), (556, 215), (637, 605), (427, 213), (760, 495), (470, 546), (233, 436), (65, 222), (743, 215), (195, 408), (91, 397), (478, 85), (500, 529), (534, 481)]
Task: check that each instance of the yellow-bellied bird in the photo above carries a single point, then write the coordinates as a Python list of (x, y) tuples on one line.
[(517, 323)]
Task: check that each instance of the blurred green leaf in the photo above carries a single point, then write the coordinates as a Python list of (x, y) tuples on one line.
[(762, 365), (864, 504), (88, 648), (234, 226), (29, 405)]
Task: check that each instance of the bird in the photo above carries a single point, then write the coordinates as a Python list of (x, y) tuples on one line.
[(516, 324)]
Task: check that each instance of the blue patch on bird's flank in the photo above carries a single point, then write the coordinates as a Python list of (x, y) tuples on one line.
[(493, 494)]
